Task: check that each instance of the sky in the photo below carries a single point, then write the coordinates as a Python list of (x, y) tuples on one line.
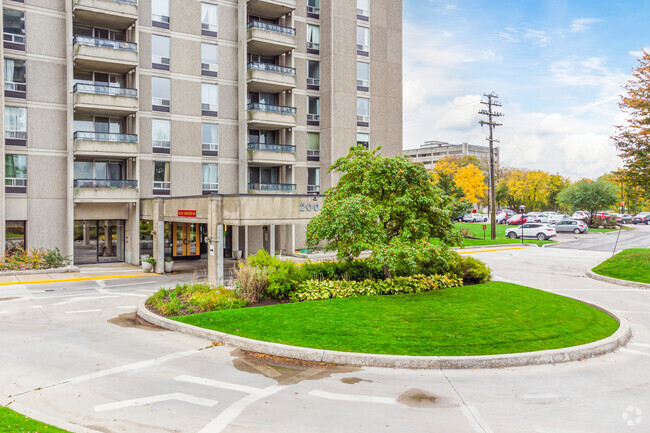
[(558, 67)]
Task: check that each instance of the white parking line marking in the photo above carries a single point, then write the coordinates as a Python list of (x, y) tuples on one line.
[(234, 410), (218, 384), (176, 396), (81, 311), (472, 416), (482, 425), (351, 397), (636, 352), (80, 299)]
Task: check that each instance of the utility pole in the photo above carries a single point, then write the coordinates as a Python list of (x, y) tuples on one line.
[(491, 102)]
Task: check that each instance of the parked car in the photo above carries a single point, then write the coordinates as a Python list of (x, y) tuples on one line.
[(603, 215), (624, 218), (557, 217), (580, 215), (475, 217), (532, 230), (517, 219), (575, 226), (541, 218), (641, 219)]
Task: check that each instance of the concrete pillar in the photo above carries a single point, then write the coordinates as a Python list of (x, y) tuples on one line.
[(159, 235), (234, 230), (272, 239), (86, 232), (292, 239), (121, 240), (245, 241), (108, 238), (220, 246)]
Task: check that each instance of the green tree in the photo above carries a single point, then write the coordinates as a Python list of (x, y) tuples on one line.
[(388, 205), (589, 195), (449, 187)]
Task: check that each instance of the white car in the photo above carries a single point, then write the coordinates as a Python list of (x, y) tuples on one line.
[(580, 215), (540, 218), (475, 217), (532, 230), (556, 218)]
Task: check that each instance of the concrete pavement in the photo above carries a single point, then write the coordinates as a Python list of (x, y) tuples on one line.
[(71, 353)]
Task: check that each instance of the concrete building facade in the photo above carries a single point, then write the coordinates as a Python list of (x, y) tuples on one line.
[(112, 107), (433, 151)]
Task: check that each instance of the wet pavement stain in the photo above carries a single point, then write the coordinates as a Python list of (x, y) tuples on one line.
[(354, 380), (286, 371), (131, 320), (418, 398)]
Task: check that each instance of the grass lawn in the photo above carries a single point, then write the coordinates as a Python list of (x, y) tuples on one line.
[(12, 422), (477, 232), (631, 265), (489, 318)]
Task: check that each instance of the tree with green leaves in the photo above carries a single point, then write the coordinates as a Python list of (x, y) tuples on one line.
[(633, 138), (387, 205), (445, 181), (589, 195)]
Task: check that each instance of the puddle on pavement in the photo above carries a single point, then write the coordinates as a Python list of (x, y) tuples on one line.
[(8, 299), (418, 398), (131, 320), (354, 380), (285, 370)]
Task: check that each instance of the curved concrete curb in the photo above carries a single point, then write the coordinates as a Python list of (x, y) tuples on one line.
[(627, 283), (596, 348)]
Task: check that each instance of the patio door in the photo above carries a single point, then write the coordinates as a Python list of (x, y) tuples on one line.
[(185, 240)]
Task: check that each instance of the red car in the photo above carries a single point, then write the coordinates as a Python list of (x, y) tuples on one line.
[(517, 219)]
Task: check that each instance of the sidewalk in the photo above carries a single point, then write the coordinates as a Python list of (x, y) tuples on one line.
[(86, 272)]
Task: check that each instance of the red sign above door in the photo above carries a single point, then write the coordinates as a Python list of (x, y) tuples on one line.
[(187, 213)]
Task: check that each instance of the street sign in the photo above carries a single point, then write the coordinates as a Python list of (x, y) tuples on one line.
[(484, 226)]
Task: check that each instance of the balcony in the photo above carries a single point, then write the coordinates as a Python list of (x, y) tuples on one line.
[(268, 78), (102, 99), (271, 117), (105, 144), (270, 39), (271, 154), (272, 187), (106, 13), (272, 9), (105, 191), (106, 55)]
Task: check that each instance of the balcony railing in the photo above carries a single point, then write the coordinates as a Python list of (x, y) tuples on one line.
[(272, 147), (16, 135), (272, 186), (271, 108), (210, 147), (105, 136), (102, 89), (105, 43), (162, 185), (272, 68), (105, 183), (131, 2), (272, 27), (313, 117), (210, 186), (313, 81), (15, 87), (12, 181), (13, 38)]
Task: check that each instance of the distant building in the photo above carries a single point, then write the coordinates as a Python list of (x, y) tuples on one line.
[(432, 151)]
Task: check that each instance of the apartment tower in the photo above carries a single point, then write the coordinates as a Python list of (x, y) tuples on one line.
[(113, 109)]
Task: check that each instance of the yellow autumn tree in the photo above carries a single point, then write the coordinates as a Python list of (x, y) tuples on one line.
[(467, 176)]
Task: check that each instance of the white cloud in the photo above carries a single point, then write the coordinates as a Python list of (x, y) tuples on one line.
[(582, 24), (590, 71), (638, 53), (515, 34)]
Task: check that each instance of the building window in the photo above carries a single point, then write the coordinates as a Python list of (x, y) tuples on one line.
[(258, 136), (210, 139), (313, 8), (15, 78), (363, 9), (209, 99), (101, 174), (160, 13), (263, 175), (161, 178), (16, 173), (15, 235), (160, 52), (313, 146), (210, 178), (209, 59), (363, 76), (16, 126), (160, 91), (313, 110), (313, 180), (363, 41), (13, 35), (209, 19), (363, 111), (313, 74), (313, 39), (161, 135), (363, 139)]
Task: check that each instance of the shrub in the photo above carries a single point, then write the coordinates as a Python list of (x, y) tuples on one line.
[(311, 290), (18, 259), (354, 270), (251, 282), (265, 276), (194, 298), (472, 271)]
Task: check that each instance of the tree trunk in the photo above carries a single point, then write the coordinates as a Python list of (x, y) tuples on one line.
[(387, 274)]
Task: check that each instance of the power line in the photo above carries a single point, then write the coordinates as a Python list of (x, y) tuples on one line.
[(491, 102)]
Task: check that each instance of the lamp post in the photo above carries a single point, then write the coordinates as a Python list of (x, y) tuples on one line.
[(522, 208)]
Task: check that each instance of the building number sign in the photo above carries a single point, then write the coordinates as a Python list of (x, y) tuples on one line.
[(309, 207)]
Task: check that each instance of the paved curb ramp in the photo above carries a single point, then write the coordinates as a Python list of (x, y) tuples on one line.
[(616, 281), (575, 353)]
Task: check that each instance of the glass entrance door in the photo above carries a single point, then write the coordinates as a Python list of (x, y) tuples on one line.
[(185, 241)]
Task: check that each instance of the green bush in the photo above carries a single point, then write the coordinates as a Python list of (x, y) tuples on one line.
[(472, 271), (251, 282), (275, 278), (354, 270), (311, 290), (18, 259), (194, 298)]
